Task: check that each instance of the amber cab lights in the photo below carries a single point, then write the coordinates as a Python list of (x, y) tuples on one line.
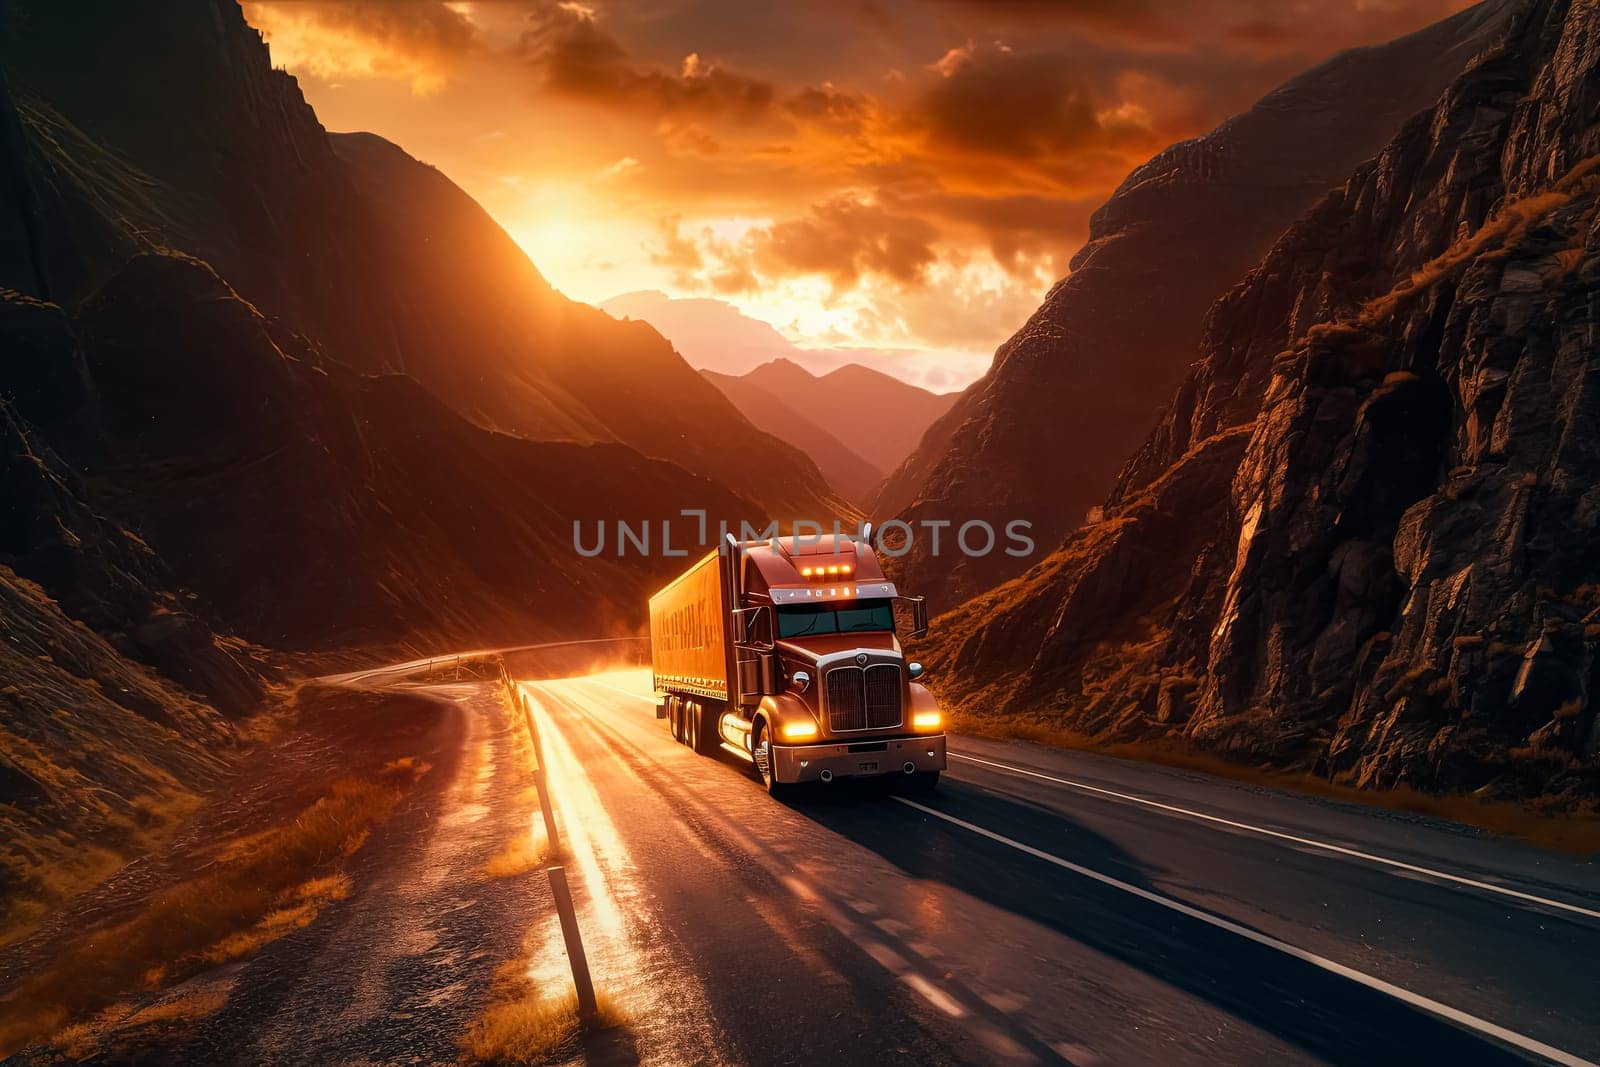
[(826, 571)]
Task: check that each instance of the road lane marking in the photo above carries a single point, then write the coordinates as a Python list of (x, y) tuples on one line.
[(1416, 1000), (1326, 846), (619, 689)]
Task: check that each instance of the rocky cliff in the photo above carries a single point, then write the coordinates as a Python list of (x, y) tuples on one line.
[(1361, 539), (1042, 435)]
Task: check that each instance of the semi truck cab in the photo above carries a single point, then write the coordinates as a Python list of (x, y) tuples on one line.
[(786, 653)]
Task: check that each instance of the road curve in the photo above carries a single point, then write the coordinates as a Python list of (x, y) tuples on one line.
[(1050, 906)]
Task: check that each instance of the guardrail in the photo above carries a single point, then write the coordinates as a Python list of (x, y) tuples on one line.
[(582, 982), (456, 660)]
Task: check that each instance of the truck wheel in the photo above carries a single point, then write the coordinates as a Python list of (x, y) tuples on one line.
[(707, 738), (673, 720), (691, 725), (766, 768)]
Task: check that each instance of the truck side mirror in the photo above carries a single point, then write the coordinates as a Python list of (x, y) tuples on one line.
[(914, 669), (800, 680), (919, 615)]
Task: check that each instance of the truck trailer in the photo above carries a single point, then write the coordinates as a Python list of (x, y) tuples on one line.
[(784, 652)]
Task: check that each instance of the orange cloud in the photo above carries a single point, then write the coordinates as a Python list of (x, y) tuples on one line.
[(918, 171), (573, 56), (992, 100), (418, 42)]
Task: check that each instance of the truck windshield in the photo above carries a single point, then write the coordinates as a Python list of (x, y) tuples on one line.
[(819, 619)]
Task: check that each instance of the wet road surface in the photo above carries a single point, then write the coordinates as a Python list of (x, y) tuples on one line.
[(1042, 906), (1050, 906)]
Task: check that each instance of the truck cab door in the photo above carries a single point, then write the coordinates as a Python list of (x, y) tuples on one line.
[(755, 654)]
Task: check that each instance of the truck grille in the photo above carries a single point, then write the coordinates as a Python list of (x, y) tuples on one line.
[(864, 698)]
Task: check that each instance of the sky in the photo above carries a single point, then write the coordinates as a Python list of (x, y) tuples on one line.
[(898, 180)]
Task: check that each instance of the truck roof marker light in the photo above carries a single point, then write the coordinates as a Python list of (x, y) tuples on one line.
[(805, 571), (846, 568)]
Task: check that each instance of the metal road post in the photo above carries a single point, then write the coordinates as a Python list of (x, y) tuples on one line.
[(587, 1008), (541, 780)]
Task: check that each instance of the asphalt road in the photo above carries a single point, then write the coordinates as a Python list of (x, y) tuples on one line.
[(1042, 906), (1050, 906)]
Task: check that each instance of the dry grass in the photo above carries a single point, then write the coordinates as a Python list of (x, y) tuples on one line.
[(1571, 832), (184, 926), (301, 906), (518, 857), (1506, 228), (524, 852), (119, 1024), (48, 866), (521, 1026)]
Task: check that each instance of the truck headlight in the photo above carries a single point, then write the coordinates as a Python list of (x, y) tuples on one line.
[(799, 730), (926, 720)]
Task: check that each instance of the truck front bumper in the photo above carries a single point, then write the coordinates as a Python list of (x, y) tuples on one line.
[(858, 759)]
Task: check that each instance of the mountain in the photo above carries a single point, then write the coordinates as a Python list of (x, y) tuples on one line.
[(712, 334), (1041, 436), (1360, 541), (369, 510), (446, 250), (715, 335), (170, 120), (878, 417), (853, 477), (250, 405)]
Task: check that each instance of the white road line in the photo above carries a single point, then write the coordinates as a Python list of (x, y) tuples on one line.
[(619, 689), (1416, 1000), (1327, 846)]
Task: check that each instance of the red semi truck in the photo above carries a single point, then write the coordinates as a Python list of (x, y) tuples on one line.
[(784, 652)]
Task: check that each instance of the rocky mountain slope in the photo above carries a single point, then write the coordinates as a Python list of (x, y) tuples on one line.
[(368, 509), (1042, 435), (853, 477), (219, 439), (170, 120), (581, 362), (1361, 539)]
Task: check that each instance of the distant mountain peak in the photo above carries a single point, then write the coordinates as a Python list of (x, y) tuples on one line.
[(876, 416)]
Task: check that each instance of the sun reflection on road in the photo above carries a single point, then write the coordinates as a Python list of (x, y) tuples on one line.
[(599, 869)]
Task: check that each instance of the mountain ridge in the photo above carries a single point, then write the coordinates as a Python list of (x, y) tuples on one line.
[(876, 415), (852, 476), (378, 258), (1042, 435), (1357, 544)]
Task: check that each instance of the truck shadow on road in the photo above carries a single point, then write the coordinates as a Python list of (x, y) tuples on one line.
[(1326, 1015)]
